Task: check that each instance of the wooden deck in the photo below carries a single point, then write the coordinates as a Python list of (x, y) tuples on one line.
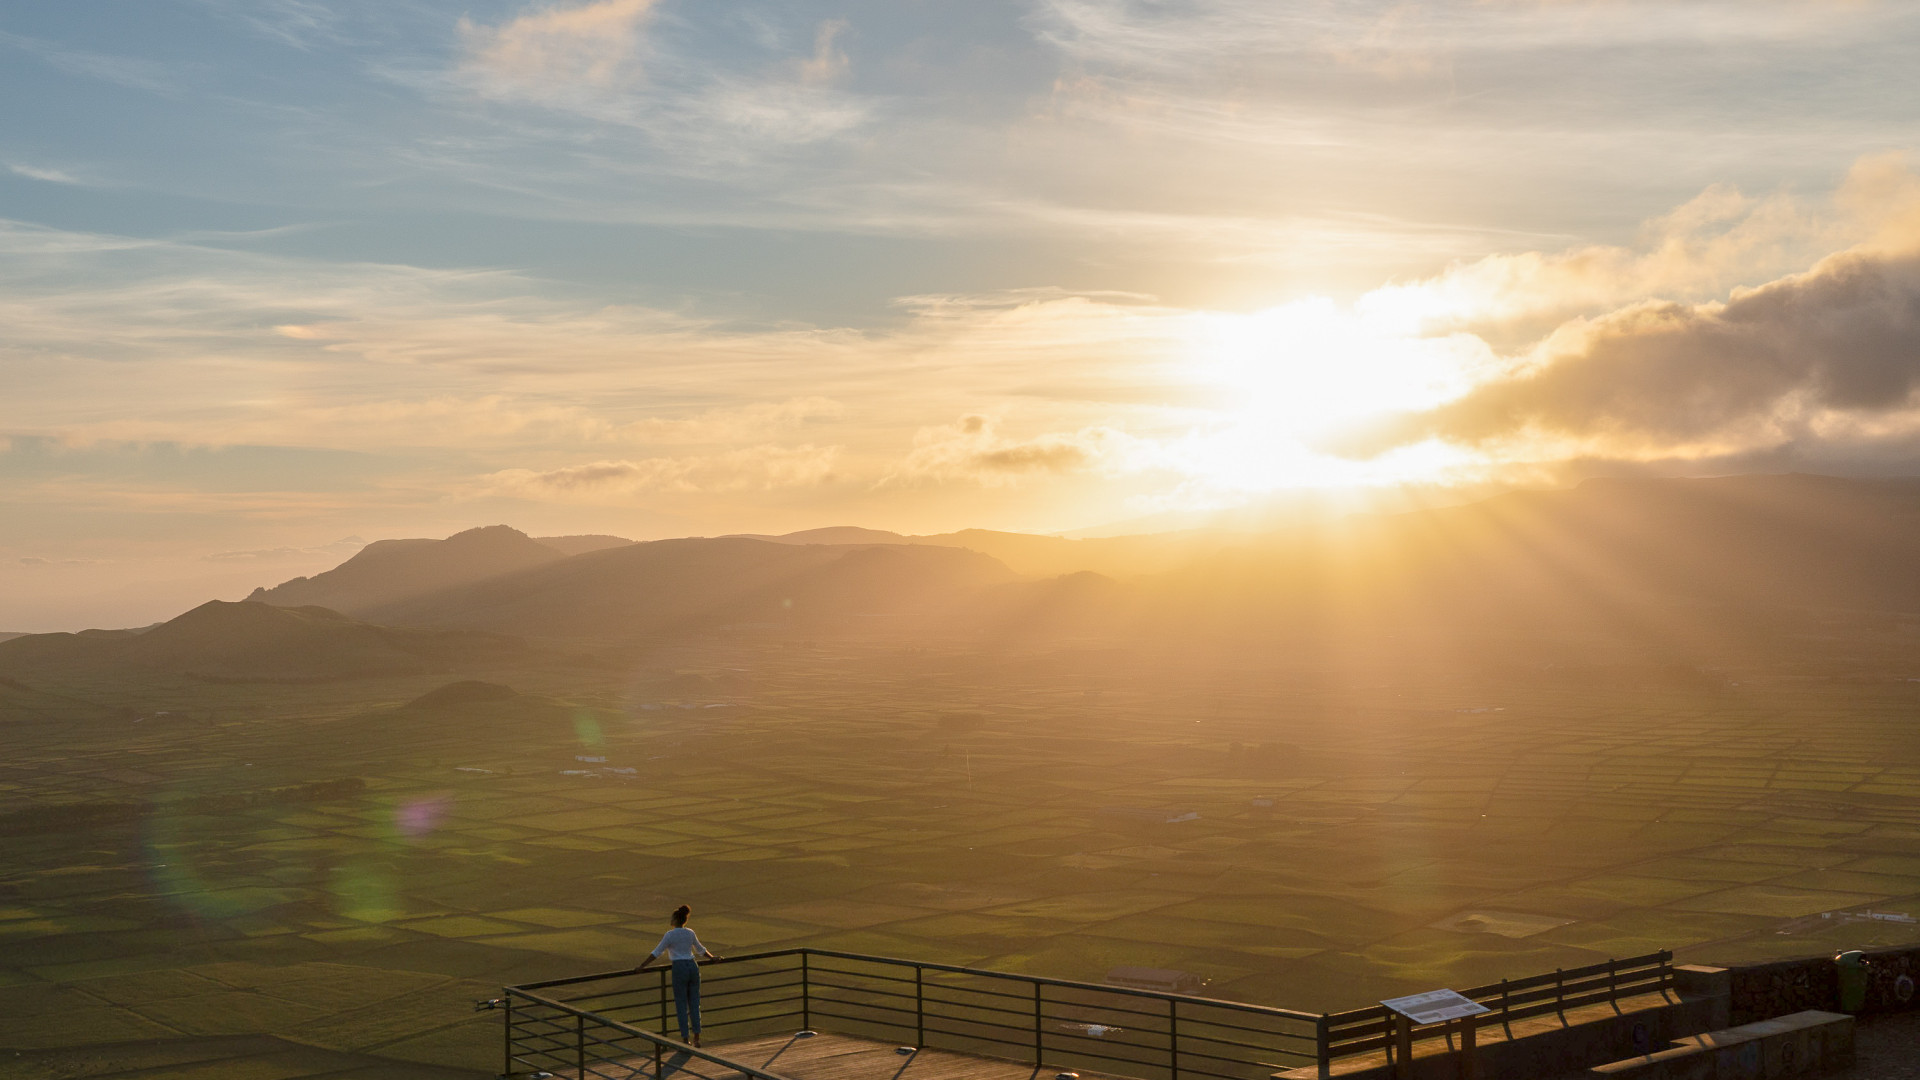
[(843, 1057)]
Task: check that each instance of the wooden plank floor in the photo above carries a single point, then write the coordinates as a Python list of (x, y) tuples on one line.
[(843, 1057)]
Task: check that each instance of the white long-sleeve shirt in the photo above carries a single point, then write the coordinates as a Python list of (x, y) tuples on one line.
[(680, 943)]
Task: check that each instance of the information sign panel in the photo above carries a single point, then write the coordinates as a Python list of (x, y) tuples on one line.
[(1435, 1006)]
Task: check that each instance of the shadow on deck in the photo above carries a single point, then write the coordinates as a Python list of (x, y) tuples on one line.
[(845, 1057)]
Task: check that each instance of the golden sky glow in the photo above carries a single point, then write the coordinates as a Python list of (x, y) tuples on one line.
[(278, 273)]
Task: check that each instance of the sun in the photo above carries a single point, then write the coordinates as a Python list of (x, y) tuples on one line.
[(1290, 380)]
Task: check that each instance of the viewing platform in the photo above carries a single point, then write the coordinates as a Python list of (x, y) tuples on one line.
[(811, 1014), (826, 1056)]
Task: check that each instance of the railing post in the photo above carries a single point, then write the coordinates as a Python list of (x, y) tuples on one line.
[(663, 1001), (1323, 1046), (1038, 1051), (1560, 994), (806, 1005), (1613, 983), (580, 1044), (657, 1073), (1173, 1040), (506, 1064), (1506, 1015), (1402, 1045), (919, 1007)]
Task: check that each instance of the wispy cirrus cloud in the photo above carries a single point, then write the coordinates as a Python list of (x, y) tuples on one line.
[(594, 61), (133, 72), (972, 450), (136, 341), (51, 176), (301, 24), (749, 468), (549, 49)]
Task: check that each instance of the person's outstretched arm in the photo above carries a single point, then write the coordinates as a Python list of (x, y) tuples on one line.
[(652, 956)]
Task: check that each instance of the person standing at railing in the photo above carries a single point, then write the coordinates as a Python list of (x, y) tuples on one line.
[(681, 945)]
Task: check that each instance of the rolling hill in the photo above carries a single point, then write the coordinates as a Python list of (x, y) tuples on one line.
[(390, 570), (249, 641), (670, 586), (1036, 554), (580, 545)]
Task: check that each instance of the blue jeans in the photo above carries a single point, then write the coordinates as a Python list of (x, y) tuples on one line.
[(686, 996)]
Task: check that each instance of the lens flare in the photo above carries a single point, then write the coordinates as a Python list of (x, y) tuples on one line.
[(586, 728), (418, 817)]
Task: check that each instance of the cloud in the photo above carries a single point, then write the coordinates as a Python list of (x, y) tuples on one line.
[(1714, 243), (145, 341), (1394, 45), (500, 419), (51, 176), (1147, 35), (625, 105), (137, 73), (828, 61), (761, 468), (972, 450), (301, 24), (1830, 351), (551, 48)]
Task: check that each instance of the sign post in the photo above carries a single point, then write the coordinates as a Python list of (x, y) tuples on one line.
[(1434, 1007)]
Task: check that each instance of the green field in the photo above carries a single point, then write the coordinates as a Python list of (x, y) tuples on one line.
[(1349, 843)]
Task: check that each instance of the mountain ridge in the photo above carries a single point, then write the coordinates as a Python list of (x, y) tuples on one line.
[(248, 641), (701, 582), (386, 570)]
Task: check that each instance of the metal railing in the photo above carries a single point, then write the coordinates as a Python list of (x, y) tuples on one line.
[(1056, 1023), (1375, 1028), (545, 1037), (604, 1025)]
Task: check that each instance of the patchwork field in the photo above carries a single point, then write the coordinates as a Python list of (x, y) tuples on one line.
[(316, 862)]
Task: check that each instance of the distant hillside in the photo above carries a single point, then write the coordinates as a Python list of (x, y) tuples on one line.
[(832, 534), (1113, 556), (1035, 554), (1672, 564), (391, 570), (1748, 541), (667, 586), (1674, 571), (248, 641), (580, 545)]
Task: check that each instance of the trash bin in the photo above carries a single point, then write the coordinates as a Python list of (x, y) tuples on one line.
[(1852, 968)]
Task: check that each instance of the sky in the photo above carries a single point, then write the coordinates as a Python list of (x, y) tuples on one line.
[(281, 276)]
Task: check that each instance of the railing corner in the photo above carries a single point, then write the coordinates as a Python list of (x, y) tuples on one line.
[(1323, 1045)]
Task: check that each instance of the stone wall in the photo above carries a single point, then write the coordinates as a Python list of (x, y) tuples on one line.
[(1763, 991)]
